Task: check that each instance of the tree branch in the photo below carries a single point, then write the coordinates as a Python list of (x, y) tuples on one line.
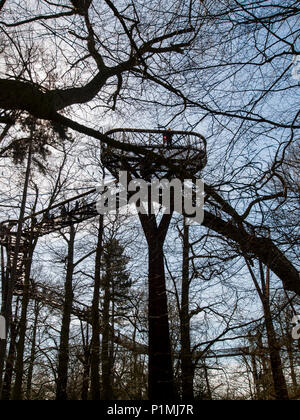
[(262, 248), (2, 3)]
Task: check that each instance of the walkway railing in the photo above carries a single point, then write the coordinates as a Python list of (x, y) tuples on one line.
[(155, 138)]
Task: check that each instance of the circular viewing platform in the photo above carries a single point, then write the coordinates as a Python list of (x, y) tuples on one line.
[(182, 149)]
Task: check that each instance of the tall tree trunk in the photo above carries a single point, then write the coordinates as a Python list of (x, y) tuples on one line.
[(33, 351), (112, 333), (63, 358), (85, 359), (95, 345), (86, 378), (266, 379), (17, 390), (161, 380), (161, 384), (280, 386), (289, 347), (3, 280), (137, 390), (209, 394), (255, 376), (9, 369), (7, 382), (187, 368), (105, 354), (86, 375), (6, 310)]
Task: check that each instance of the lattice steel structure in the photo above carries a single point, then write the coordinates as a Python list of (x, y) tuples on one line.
[(162, 160), (150, 155)]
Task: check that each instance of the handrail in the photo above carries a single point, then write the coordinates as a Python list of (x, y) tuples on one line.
[(184, 141)]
